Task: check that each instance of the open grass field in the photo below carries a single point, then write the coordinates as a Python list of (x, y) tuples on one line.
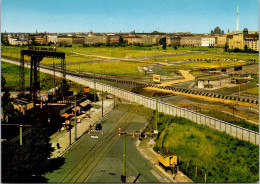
[(209, 55), (252, 91), (221, 157), (110, 68), (77, 53), (11, 74)]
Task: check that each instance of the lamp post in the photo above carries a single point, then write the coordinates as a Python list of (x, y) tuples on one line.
[(75, 118)]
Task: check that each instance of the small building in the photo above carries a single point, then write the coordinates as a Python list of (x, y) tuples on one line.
[(23, 104)]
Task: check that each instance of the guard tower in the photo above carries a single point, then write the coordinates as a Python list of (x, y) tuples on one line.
[(37, 54)]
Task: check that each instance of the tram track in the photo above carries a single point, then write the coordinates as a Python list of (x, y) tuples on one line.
[(82, 170)]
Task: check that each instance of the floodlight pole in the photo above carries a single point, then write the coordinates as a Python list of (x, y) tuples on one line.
[(21, 135), (156, 117), (75, 118)]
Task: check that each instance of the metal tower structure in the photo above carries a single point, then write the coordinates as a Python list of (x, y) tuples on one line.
[(37, 54), (237, 20)]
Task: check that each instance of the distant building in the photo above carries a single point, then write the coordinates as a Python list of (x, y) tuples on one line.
[(217, 30), (240, 40), (134, 39), (69, 40), (64, 39), (208, 42), (221, 40), (95, 38), (17, 40), (52, 39), (146, 40), (40, 38), (190, 41), (113, 39), (175, 40)]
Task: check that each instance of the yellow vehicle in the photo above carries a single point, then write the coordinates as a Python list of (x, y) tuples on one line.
[(168, 160), (157, 78)]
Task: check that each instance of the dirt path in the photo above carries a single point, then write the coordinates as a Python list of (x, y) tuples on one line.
[(186, 75)]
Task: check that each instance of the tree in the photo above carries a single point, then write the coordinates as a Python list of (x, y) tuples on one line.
[(33, 41), (164, 46), (3, 82), (27, 163), (121, 40), (63, 89), (6, 106), (226, 47), (162, 41), (246, 48), (37, 149)]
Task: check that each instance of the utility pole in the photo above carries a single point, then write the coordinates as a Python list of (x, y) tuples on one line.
[(21, 135), (70, 134), (114, 101), (53, 72), (124, 160), (75, 118), (156, 116), (94, 89), (102, 103)]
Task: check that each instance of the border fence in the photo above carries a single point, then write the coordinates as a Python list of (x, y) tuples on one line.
[(233, 130)]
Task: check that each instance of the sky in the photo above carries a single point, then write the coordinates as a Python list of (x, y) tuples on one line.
[(196, 16)]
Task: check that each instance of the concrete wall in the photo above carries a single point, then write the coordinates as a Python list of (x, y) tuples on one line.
[(230, 129), (233, 130)]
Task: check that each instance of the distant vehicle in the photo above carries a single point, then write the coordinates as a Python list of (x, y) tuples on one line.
[(157, 79), (86, 89), (98, 126), (168, 160)]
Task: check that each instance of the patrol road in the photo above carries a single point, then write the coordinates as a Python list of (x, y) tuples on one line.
[(100, 159)]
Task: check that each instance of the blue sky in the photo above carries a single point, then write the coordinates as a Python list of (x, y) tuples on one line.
[(196, 16)]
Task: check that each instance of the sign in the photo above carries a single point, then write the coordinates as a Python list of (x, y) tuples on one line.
[(94, 137)]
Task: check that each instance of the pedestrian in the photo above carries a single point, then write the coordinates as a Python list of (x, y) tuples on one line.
[(58, 145)]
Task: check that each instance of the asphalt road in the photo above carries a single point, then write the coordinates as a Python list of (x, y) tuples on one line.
[(100, 159)]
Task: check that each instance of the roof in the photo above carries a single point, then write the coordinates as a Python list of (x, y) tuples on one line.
[(77, 108), (166, 153), (65, 115), (22, 101), (85, 103)]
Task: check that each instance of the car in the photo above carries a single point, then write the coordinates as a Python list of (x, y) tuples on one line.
[(98, 126)]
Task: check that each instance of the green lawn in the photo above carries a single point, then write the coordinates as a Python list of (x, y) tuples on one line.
[(221, 157), (11, 74), (110, 68), (252, 91)]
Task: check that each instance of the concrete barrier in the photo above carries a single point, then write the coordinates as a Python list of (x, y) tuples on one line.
[(233, 130)]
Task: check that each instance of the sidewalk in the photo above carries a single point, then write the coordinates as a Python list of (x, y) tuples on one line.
[(145, 148), (63, 137)]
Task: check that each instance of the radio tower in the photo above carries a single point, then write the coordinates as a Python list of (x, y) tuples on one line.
[(237, 20)]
